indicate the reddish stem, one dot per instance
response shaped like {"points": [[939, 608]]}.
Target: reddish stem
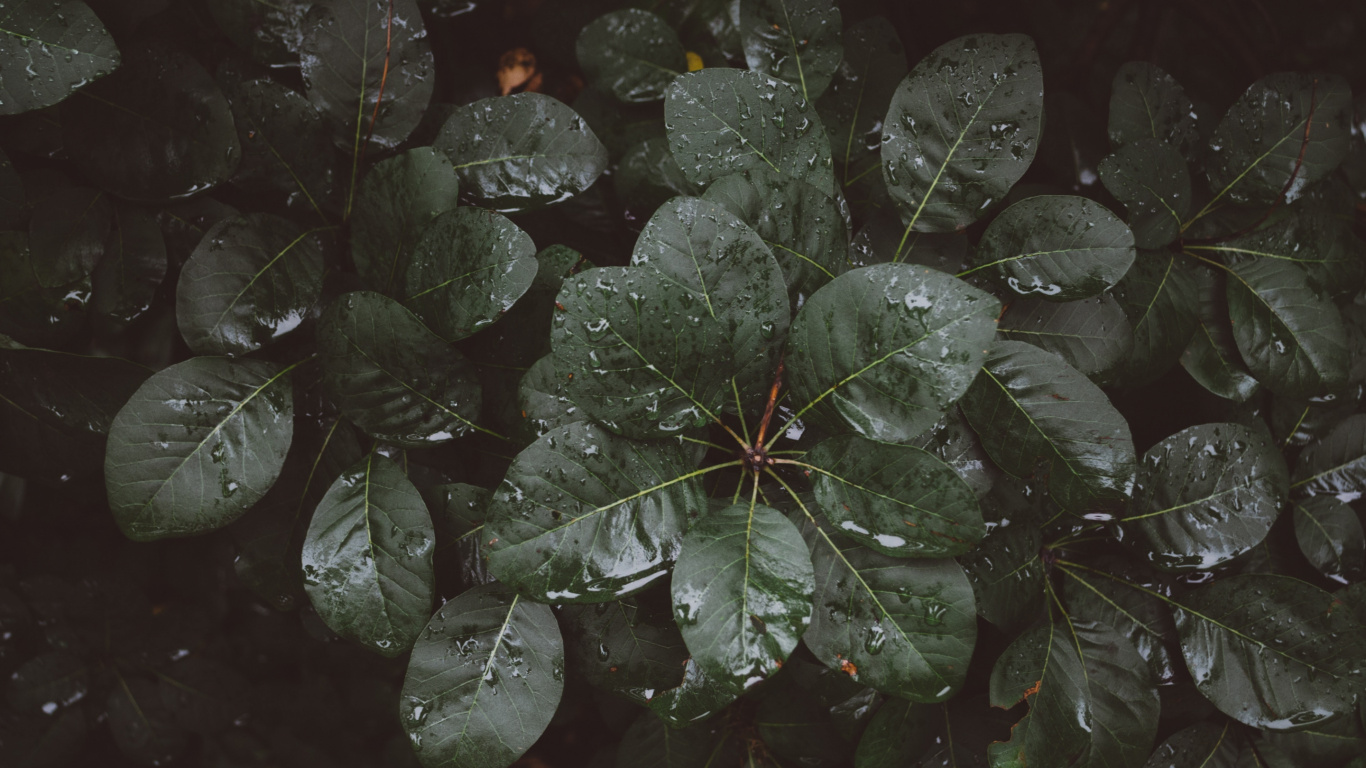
{"points": [[772, 401]]}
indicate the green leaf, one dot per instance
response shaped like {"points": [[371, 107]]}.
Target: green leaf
{"points": [[468, 268], [1207, 494], [586, 516], [899, 734], [484, 680], [1150, 177], [1319, 243], [1005, 569], [367, 559], [142, 725], [158, 128], [398, 200], [962, 129], [631, 54], [1292, 338], [742, 592], [626, 647], [519, 152], [129, 273], [1288, 130], [269, 34], [252, 279], [1140, 616], [542, 400], [860, 91], [198, 444], [722, 121], [1330, 536], [954, 443], [1330, 743], [1159, 295], [1335, 465], [794, 40], [699, 245], [203, 696], [795, 726], [1056, 247], [1271, 651], [666, 362], [1123, 696], [1043, 666], [1092, 335], [903, 627], [30, 313], [1147, 103], [697, 698], [48, 682], [894, 499], [800, 224], [648, 175], [394, 378], [284, 144], [73, 48], [1031, 408], [367, 66], [885, 350], [67, 234], [1212, 357], [649, 741]]}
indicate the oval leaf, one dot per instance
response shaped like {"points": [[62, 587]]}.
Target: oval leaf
{"points": [[1159, 296], [1150, 177], [1212, 357], [794, 40], [1330, 536], [631, 54], [1335, 465], [399, 198], [1092, 335], [1044, 667], [860, 91], [1147, 103], [73, 48], [284, 145]]}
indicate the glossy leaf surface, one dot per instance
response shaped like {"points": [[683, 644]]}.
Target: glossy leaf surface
{"points": [[1092, 335], [1148, 103], [794, 40], [399, 198], [1212, 356], [1150, 177], [73, 49], [861, 89], [1330, 536], [631, 54]]}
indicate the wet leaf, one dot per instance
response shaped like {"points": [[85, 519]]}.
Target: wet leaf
{"points": [[394, 378], [697, 698], [1330, 536], [367, 558], [1138, 615], [1292, 338], [73, 49], [399, 198], [520, 152], [1055, 247], [367, 67], [1123, 696], [900, 733], [894, 499], [1212, 357], [794, 40], [648, 175], [856, 101], [483, 681], [1335, 465], [158, 128], [142, 725], [1150, 177], [742, 592], [586, 516], [198, 444], [130, 271], [884, 329], [30, 313], [723, 121], [1092, 335], [1271, 651], [1159, 295], [962, 129], [1320, 244], [1032, 410], [649, 741], [1147, 103], [1005, 569], [284, 142], [541, 397], [67, 233], [1043, 666], [626, 647], [269, 34], [252, 279], [1207, 494], [47, 683], [631, 54]]}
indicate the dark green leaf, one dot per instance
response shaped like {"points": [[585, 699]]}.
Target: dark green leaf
{"points": [[13, 200], [394, 378], [1032, 409], [1286, 131], [269, 34], [203, 696], [73, 49], [666, 362], [252, 279], [367, 66], [742, 592], [860, 91], [625, 647], [284, 144], [698, 697], [1005, 569], [794, 726], [1330, 536], [586, 516], [1056, 247], [1141, 617], [1212, 357], [158, 128], [1092, 335], [484, 680], [1123, 697], [1207, 494], [895, 499], [723, 121], [903, 627], [457, 509], [542, 400], [30, 313], [1150, 177], [962, 129], [197, 445], [523, 151], [898, 735], [129, 273], [1319, 243], [1159, 295], [883, 238], [699, 245], [1291, 337], [800, 224], [1271, 651], [631, 54], [1329, 743], [954, 442], [1043, 666], [794, 40], [47, 683], [367, 559], [649, 741], [67, 234], [142, 725], [648, 175], [1335, 465], [398, 199], [885, 350], [1146, 103], [468, 268]]}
